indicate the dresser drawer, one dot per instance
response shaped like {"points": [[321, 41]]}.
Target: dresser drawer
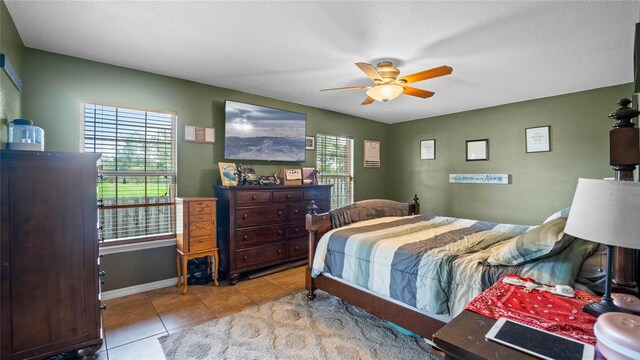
{"points": [[201, 228], [264, 215], [293, 195], [297, 211], [297, 230], [260, 255], [253, 197], [262, 235], [298, 249], [200, 208], [200, 243], [315, 194]]}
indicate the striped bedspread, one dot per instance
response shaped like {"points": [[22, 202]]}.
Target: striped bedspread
{"points": [[433, 264]]}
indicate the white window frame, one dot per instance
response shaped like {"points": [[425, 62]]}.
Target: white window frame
{"points": [[340, 174], [148, 204]]}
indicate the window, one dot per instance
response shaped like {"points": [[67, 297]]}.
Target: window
{"points": [[137, 175], [335, 164]]}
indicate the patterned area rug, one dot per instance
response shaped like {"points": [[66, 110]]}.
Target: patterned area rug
{"points": [[294, 328]]}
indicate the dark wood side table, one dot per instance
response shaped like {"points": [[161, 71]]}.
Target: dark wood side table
{"points": [[463, 338]]}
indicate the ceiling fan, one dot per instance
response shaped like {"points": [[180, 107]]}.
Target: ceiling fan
{"points": [[388, 86]]}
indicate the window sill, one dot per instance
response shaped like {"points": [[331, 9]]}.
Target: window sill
{"points": [[115, 249]]}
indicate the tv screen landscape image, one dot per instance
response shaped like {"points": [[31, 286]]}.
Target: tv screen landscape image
{"points": [[260, 133]]}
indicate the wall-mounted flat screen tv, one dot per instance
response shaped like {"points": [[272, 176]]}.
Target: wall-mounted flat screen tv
{"points": [[260, 133]]}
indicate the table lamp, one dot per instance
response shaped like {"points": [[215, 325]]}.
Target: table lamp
{"points": [[606, 212]]}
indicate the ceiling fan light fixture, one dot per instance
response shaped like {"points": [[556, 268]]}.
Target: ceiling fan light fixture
{"points": [[385, 92]]}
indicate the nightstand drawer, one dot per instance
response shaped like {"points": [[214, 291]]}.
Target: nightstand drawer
{"points": [[201, 228], [263, 235], [293, 195], [260, 255], [201, 217], [200, 207], [253, 197], [200, 243]]}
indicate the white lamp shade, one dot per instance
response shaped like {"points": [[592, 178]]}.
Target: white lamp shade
{"points": [[385, 92], [606, 212]]}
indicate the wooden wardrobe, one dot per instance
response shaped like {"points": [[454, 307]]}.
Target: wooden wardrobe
{"points": [[49, 294]]}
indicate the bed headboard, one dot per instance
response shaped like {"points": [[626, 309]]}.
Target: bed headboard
{"points": [[358, 211]]}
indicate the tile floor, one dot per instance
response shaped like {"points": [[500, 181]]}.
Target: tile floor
{"points": [[133, 323]]}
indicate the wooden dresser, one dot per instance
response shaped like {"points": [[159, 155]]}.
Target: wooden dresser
{"points": [[260, 226], [48, 255], [195, 234]]}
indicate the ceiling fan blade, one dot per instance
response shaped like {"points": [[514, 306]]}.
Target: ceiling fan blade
{"points": [[427, 74], [368, 100], [370, 71], [408, 90], [362, 87]]}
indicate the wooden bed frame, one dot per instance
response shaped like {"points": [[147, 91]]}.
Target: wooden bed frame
{"points": [[414, 321]]}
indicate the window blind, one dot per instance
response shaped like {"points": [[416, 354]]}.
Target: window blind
{"points": [[335, 165], [136, 187]]}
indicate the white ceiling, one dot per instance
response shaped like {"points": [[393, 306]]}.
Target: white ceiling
{"points": [[501, 51]]}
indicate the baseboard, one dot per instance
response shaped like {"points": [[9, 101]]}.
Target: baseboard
{"points": [[112, 294]]}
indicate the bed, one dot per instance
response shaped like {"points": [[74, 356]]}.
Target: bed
{"points": [[420, 271]]}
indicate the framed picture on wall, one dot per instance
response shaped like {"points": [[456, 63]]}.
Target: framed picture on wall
{"points": [[537, 139], [309, 143], [477, 150], [428, 149]]}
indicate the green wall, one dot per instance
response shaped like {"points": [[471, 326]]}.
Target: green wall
{"points": [[57, 85], [541, 183], [10, 98]]}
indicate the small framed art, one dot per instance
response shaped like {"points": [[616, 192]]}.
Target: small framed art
{"points": [[197, 134], [292, 176], [477, 150], [428, 149], [309, 143], [537, 139], [228, 174]]}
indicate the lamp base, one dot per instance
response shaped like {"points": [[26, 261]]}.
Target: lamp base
{"points": [[598, 308]]}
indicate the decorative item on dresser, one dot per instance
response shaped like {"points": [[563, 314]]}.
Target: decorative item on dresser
{"points": [[264, 226], [49, 255], [195, 234]]}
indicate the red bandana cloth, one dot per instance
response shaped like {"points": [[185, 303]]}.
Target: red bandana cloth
{"points": [[540, 309]]}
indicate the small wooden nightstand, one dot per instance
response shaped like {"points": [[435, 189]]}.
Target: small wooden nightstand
{"points": [[196, 235]]}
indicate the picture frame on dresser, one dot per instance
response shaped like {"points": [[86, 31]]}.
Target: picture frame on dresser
{"points": [[228, 174]]}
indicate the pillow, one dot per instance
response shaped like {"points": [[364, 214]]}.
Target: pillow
{"points": [[545, 240], [562, 213]]}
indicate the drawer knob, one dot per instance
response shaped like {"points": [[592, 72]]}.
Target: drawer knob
{"points": [[295, 247], [245, 258], [279, 251], [288, 196], [295, 211], [279, 232], [245, 216], [296, 229], [103, 307], [279, 212], [253, 197], [245, 237]]}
